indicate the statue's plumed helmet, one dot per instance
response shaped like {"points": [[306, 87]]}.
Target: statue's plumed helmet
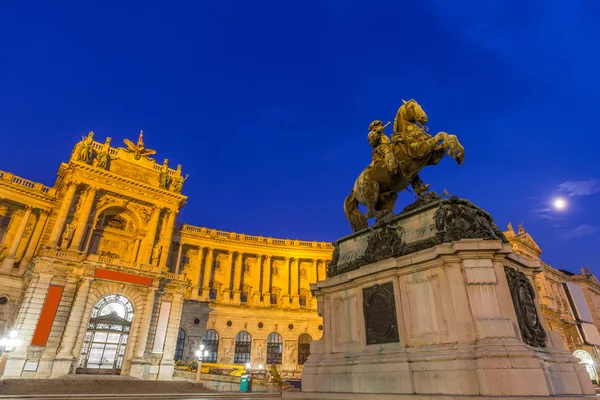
{"points": [[375, 124]]}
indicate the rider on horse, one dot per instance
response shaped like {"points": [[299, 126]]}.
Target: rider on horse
{"points": [[382, 147]]}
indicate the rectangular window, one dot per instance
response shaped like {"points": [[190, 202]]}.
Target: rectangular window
{"points": [[273, 299], [303, 273], [4, 221], [244, 297], [212, 294]]}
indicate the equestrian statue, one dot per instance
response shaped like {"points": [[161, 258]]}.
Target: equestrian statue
{"points": [[396, 164]]}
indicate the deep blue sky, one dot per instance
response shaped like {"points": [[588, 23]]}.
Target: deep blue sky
{"points": [[266, 104]]}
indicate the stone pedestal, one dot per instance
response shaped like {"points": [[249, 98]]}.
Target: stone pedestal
{"points": [[434, 303]]}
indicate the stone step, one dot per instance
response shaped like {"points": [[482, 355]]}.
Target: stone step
{"points": [[97, 385]]}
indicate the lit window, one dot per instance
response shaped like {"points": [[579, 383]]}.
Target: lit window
{"points": [[303, 347], [210, 340], [243, 343], [274, 348]]}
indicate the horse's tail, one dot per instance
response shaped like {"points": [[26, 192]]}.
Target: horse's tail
{"points": [[357, 220]]}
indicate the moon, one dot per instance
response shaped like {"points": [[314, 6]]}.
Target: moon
{"points": [[559, 204]]}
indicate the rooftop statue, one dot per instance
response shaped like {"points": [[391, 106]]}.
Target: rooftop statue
{"points": [[396, 164], [138, 150]]}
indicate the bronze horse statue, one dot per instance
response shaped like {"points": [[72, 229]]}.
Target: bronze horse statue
{"points": [[413, 149]]}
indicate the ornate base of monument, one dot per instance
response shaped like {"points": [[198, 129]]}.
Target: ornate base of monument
{"points": [[434, 302]]}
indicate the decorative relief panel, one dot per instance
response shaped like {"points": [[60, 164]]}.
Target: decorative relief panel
{"points": [[379, 307], [523, 296]]}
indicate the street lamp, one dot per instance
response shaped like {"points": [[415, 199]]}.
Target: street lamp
{"points": [[10, 343], [200, 354]]}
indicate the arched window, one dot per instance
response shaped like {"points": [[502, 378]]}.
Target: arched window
{"points": [[180, 345], [106, 337], [588, 361], [274, 348], [210, 340], [243, 342], [303, 347]]}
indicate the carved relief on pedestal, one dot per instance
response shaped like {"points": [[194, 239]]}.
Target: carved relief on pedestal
{"points": [[523, 295]]}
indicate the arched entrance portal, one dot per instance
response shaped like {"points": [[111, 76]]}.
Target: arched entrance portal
{"points": [[106, 336], [588, 361]]}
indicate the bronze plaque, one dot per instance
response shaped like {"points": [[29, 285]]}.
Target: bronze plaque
{"points": [[379, 308]]}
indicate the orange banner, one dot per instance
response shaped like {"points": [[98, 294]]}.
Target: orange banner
{"points": [[42, 330], [122, 277]]}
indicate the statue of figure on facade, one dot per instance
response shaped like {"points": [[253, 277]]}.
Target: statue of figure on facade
{"points": [[102, 159], [163, 178], [178, 183], [85, 149], [413, 148], [138, 150], [68, 234], [156, 253]]}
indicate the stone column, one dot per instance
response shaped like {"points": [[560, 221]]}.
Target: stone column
{"points": [[208, 266], [177, 265], [266, 281], [61, 217], [65, 357], [138, 362], [84, 215], [294, 282], [237, 277], [11, 256], [227, 276], [150, 236], [167, 234]]}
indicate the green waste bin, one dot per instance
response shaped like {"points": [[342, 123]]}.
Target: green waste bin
{"points": [[245, 383]]}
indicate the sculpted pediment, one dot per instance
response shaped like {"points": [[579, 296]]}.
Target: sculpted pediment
{"points": [[527, 240]]}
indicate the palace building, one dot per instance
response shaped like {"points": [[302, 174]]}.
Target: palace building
{"points": [[97, 277]]}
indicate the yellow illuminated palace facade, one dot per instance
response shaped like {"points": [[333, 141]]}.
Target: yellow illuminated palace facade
{"points": [[98, 277]]}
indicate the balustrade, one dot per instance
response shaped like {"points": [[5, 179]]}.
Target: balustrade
{"points": [[30, 185]]}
